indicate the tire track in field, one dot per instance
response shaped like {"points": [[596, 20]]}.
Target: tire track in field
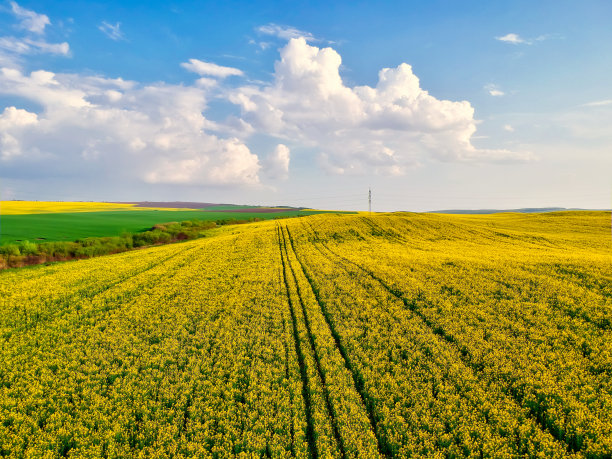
{"points": [[377, 230], [358, 381], [291, 426], [310, 435], [311, 339], [572, 443], [287, 375]]}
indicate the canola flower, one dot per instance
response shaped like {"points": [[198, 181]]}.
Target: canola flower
{"points": [[328, 336], [45, 207]]}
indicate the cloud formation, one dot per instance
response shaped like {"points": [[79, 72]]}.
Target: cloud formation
{"points": [[30, 20], [284, 32], [386, 129], [33, 42], [513, 38], [13, 122], [276, 164], [93, 126], [111, 31], [516, 39], [494, 91], [598, 103], [210, 69]]}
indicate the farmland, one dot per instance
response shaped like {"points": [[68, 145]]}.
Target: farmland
{"points": [[391, 335], [57, 221]]}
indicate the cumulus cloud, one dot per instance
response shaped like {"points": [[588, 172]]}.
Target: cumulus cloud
{"points": [[14, 123], [276, 164], [92, 126], [385, 129], [210, 69], [111, 31], [30, 20], [112, 127], [508, 128]]}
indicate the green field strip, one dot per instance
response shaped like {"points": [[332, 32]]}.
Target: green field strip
{"points": [[78, 225]]}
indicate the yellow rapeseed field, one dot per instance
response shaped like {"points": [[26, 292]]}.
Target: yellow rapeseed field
{"points": [[391, 335], [44, 207]]}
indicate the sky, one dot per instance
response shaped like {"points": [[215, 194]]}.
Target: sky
{"points": [[430, 104]]}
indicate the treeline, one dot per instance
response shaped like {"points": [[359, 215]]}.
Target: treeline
{"points": [[26, 253]]}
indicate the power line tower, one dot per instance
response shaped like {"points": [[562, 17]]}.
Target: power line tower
{"points": [[370, 200]]}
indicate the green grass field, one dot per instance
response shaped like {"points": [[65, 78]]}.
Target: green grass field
{"points": [[78, 225]]}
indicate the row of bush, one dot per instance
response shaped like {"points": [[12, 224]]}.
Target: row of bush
{"points": [[30, 253]]}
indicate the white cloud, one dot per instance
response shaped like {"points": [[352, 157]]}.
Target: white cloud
{"points": [[284, 32], [29, 46], [98, 127], [513, 38], [494, 91], [14, 123], [91, 126], [15, 45], [233, 164], [598, 103], [508, 128], [516, 39], [30, 20], [209, 69], [383, 129], [111, 31], [276, 164], [13, 48]]}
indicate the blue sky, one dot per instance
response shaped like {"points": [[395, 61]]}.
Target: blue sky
{"points": [[432, 104]]}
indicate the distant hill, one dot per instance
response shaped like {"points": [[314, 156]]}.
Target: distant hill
{"points": [[173, 204], [526, 210], [211, 206]]}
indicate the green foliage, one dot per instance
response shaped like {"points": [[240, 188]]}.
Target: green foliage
{"points": [[28, 248], [10, 250]]}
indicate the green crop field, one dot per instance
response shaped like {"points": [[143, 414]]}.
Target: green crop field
{"points": [[329, 336], [60, 226]]}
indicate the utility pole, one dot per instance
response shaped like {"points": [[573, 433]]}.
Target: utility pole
{"points": [[370, 200]]}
